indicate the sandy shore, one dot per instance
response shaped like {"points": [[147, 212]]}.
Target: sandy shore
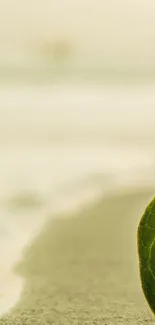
{"points": [[84, 270], [20, 225]]}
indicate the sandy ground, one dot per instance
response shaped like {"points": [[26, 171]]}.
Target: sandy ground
{"points": [[19, 228], [84, 270]]}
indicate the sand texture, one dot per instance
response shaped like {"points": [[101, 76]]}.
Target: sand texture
{"points": [[84, 270]]}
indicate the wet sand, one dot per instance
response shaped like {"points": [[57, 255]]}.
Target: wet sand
{"points": [[84, 270]]}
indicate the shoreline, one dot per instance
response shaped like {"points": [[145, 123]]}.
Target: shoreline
{"points": [[15, 247], [26, 265]]}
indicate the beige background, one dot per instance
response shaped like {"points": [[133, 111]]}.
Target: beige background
{"points": [[98, 28]]}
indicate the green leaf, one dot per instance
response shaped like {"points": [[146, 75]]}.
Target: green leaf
{"points": [[146, 252]]}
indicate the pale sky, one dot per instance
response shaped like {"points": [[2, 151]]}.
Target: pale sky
{"points": [[101, 27]]}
